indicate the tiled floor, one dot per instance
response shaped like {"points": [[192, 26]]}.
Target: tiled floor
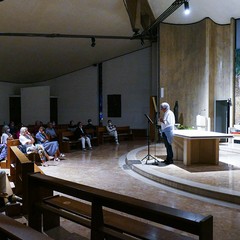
{"points": [[105, 167]]}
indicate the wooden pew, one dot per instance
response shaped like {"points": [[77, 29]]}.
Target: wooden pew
{"points": [[109, 214], [66, 145], [124, 132], [12, 229], [20, 167]]}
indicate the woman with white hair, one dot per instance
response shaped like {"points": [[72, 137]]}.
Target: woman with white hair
{"points": [[28, 141], [167, 127]]}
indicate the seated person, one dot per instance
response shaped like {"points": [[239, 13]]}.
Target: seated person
{"points": [[6, 193], [18, 130], [72, 126], [5, 188], [38, 124], [27, 140], [52, 148], [91, 127], [112, 131], [13, 128], [82, 136], [50, 131], [6, 135]]}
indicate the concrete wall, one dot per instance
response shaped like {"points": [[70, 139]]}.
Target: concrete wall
{"points": [[196, 67], [77, 92]]}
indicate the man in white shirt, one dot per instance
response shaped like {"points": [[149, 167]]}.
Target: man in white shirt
{"points": [[167, 126]]}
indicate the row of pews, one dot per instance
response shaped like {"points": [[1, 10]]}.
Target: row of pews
{"points": [[108, 215]]}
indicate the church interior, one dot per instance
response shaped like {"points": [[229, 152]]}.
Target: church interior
{"points": [[64, 61]]}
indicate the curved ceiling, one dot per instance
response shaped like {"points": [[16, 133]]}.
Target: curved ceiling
{"points": [[27, 59]]}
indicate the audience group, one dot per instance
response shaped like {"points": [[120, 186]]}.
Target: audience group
{"points": [[43, 141]]}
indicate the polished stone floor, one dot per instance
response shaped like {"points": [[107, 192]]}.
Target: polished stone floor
{"points": [[115, 168]]}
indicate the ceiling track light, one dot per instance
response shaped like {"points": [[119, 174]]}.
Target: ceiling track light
{"points": [[152, 28], [186, 7], [93, 42]]}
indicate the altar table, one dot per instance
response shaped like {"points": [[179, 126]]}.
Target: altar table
{"points": [[197, 147]]}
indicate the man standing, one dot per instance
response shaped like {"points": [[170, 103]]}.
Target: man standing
{"points": [[167, 127]]}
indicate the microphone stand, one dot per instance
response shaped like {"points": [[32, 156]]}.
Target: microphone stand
{"points": [[149, 156]]}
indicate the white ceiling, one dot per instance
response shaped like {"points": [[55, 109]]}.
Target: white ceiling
{"points": [[31, 59]]}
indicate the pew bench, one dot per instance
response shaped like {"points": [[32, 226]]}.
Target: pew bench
{"points": [[19, 168], [67, 141], [80, 212], [124, 133], [110, 215], [12, 229]]}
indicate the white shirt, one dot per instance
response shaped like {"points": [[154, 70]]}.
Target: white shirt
{"points": [[24, 141], [169, 120], [4, 138]]}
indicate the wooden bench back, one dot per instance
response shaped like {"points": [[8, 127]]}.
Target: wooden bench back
{"points": [[20, 167], [12, 229], [193, 223], [13, 142]]}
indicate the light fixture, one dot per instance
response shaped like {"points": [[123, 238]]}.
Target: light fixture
{"points": [[93, 42], [151, 30], [186, 7]]}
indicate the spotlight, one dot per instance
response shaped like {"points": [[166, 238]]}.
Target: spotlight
{"points": [[93, 42], [186, 7]]}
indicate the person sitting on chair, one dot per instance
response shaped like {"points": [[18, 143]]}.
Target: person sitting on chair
{"points": [[6, 193], [5, 188], [27, 140], [112, 131], [71, 126], [90, 129], [50, 131], [52, 148], [81, 135], [6, 135]]}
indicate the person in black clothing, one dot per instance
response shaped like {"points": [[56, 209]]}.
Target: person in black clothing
{"points": [[72, 126], [90, 129], [81, 135]]}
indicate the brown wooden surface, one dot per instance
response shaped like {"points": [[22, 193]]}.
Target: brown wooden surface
{"points": [[114, 220], [10, 155], [12, 229], [196, 151], [186, 221], [21, 166]]}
